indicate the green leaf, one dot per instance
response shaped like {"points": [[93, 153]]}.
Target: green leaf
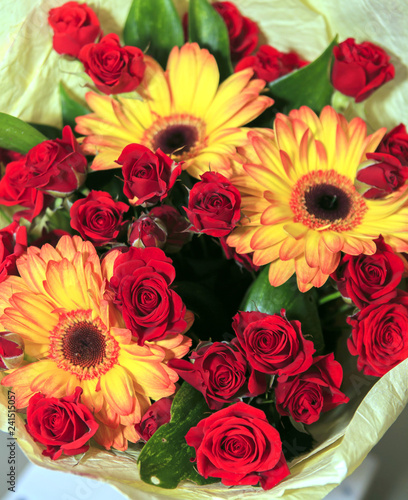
{"points": [[18, 135], [165, 459], [49, 131], [308, 86], [154, 25], [265, 298], [70, 108], [207, 28]]}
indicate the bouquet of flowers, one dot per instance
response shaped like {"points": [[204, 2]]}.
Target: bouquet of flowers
{"points": [[203, 247]]}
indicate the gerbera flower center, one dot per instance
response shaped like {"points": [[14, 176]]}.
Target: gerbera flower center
{"points": [[82, 345], [327, 200], [181, 136]]}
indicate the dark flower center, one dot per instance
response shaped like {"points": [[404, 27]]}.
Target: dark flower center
{"points": [[84, 344], [327, 202], [176, 139]]}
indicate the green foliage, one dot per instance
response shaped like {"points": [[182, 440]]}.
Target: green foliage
{"points": [[70, 108], [18, 135]]}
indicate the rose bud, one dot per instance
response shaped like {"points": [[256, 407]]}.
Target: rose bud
{"points": [[243, 260], [384, 173], [379, 335], [113, 69], [239, 446], [272, 344], [176, 227], [98, 218], [11, 351], [269, 64], [64, 425], [13, 191], [213, 205], [396, 143], [56, 167], [370, 278], [13, 243], [219, 373], [148, 176], [156, 416], [74, 25], [147, 231], [360, 69], [305, 396]]}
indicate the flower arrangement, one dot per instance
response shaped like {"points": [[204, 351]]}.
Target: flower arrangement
{"points": [[202, 269]]}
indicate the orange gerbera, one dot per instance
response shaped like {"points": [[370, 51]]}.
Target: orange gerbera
{"points": [[63, 310], [183, 112], [300, 206]]}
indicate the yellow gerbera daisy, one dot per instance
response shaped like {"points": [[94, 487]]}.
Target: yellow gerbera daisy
{"points": [[300, 206], [183, 112], [61, 307]]}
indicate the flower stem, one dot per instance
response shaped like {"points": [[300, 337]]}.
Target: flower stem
{"points": [[329, 298]]}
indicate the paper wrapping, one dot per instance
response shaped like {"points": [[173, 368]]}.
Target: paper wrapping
{"points": [[30, 70], [345, 436]]}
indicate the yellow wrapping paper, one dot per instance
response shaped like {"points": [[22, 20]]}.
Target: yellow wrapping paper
{"points": [[30, 72]]}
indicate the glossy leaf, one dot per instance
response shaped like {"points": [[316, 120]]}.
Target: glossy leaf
{"points": [[18, 135]]}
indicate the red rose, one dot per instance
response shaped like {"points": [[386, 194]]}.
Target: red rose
{"points": [[148, 176], [214, 205], [64, 425], [113, 69], [272, 344], [13, 191], [368, 278], [98, 217], [219, 373], [382, 176], [74, 25], [238, 445], [7, 156], [269, 64], [11, 351], [13, 243], [305, 396], [360, 68], [176, 227], [56, 167], [242, 31], [156, 416], [242, 259], [147, 231], [396, 143], [150, 309], [380, 335]]}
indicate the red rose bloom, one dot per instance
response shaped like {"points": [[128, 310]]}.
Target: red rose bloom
{"points": [[380, 335], [56, 167], [113, 69], [385, 175], [7, 156], [269, 64], [242, 31], [74, 25], [13, 191], [242, 259], [238, 445], [11, 351], [150, 309], [219, 373], [370, 278], [272, 344], [360, 68], [13, 243], [176, 227], [214, 205], [156, 416], [147, 231], [98, 217], [396, 143], [305, 396], [64, 425], [148, 176]]}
